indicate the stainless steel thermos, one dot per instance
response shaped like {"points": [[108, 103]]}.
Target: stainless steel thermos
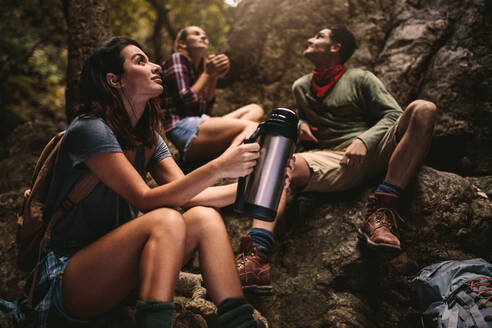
{"points": [[259, 193]]}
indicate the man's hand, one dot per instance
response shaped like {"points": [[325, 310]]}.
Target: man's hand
{"points": [[355, 154], [306, 132]]}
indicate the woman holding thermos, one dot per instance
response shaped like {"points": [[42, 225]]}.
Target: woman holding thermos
{"points": [[101, 249]]}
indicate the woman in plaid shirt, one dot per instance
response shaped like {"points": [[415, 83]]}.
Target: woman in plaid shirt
{"points": [[190, 80]]}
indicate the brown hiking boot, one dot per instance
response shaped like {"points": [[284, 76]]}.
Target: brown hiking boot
{"points": [[380, 226], [253, 268]]}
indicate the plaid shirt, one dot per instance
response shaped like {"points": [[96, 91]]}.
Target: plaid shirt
{"points": [[179, 100], [50, 269]]}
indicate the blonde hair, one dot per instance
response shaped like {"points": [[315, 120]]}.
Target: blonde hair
{"points": [[180, 36]]}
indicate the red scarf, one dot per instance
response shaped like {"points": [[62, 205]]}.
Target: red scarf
{"points": [[325, 79]]}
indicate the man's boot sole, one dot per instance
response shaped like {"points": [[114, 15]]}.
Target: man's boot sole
{"points": [[379, 247], [258, 290]]}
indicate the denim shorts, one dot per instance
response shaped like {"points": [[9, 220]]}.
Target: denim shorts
{"points": [[58, 298], [185, 131]]}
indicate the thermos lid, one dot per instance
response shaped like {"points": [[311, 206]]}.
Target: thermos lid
{"points": [[285, 110], [282, 121]]}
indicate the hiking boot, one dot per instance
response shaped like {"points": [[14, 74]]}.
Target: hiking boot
{"points": [[253, 268], [380, 225]]}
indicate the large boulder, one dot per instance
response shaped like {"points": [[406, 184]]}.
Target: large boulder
{"points": [[324, 277], [436, 50]]}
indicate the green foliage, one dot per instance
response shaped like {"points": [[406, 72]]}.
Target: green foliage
{"points": [[131, 18], [33, 43], [136, 19], [32, 62], [214, 16]]}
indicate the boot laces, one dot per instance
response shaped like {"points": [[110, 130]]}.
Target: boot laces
{"points": [[475, 287], [388, 217], [246, 252], [372, 205]]}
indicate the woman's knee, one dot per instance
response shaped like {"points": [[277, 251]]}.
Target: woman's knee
{"points": [[257, 111], [166, 222], [249, 126], [204, 219]]}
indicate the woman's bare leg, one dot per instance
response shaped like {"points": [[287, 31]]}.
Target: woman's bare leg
{"points": [[206, 232], [216, 134], [147, 251], [251, 112]]}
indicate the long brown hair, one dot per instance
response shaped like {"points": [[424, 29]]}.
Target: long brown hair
{"points": [[100, 99]]}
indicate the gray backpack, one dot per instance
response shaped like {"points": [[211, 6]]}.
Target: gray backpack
{"points": [[455, 294]]}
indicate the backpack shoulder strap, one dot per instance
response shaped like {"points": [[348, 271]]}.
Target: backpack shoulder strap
{"points": [[453, 316], [78, 193], [48, 152], [478, 318]]}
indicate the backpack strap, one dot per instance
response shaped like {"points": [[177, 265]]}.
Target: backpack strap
{"points": [[78, 193], [53, 144], [473, 310], [452, 317]]}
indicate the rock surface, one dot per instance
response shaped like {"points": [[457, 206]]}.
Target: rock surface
{"points": [[323, 277]]}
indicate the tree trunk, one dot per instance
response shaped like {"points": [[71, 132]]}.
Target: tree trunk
{"points": [[162, 20], [88, 27]]}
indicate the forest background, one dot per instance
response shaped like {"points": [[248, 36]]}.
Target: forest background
{"points": [[43, 44], [419, 48]]}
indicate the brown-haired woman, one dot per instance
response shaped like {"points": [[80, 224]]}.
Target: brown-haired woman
{"points": [[101, 250], [190, 79]]}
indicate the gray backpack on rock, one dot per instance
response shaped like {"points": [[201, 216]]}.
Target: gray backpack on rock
{"points": [[455, 294]]}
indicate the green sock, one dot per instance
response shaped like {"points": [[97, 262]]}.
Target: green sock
{"points": [[151, 314], [235, 313]]}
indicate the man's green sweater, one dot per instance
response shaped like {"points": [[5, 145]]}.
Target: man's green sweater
{"points": [[358, 106]]}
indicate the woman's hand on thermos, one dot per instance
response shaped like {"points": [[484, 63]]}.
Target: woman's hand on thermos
{"points": [[238, 160]]}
